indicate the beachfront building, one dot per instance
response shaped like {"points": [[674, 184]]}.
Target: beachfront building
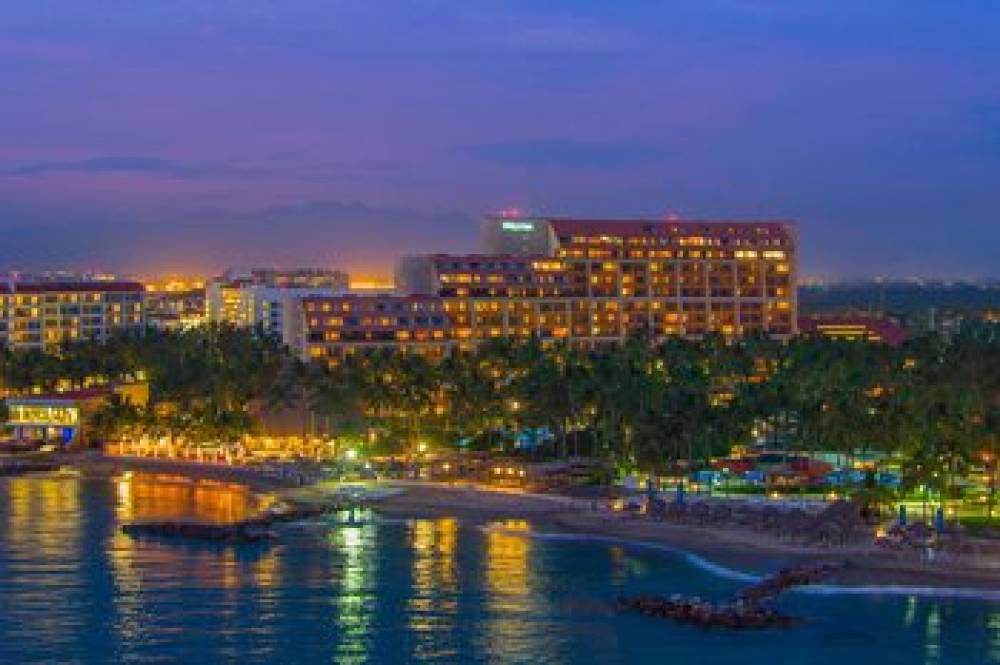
{"points": [[586, 281], [854, 327], [270, 299], [42, 313], [62, 418]]}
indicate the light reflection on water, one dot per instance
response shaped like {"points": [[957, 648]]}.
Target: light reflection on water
{"points": [[994, 628], [353, 592], [433, 605], [74, 588], [152, 496]]}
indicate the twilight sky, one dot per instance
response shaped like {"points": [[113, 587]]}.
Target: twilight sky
{"points": [[194, 134]]}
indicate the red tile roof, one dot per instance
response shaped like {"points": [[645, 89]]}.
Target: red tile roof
{"points": [[74, 287], [640, 227], [69, 395], [483, 257], [373, 297]]}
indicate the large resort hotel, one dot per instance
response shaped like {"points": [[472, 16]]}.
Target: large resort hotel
{"points": [[585, 281], [45, 313]]}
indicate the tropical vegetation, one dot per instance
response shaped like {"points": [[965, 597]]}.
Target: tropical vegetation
{"points": [[931, 404]]}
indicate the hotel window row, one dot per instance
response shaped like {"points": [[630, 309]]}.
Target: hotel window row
{"points": [[586, 281], [43, 315]]}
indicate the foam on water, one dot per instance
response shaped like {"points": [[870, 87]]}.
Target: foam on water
{"points": [[698, 561]]}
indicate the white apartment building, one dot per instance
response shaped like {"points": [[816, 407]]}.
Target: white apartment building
{"points": [[270, 299]]}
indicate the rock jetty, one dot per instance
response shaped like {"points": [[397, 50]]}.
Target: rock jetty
{"points": [[17, 467], [749, 609], [255, 529], [240, 532]]}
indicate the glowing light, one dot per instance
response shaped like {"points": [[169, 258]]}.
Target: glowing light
{"points": [[511, 213], [518, 227]]}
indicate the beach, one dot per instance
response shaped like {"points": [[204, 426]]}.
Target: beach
{"points": [[736, 549]]}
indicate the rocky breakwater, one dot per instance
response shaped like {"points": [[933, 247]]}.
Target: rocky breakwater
{"points": [[255, 529], [749, 609], [17, 466]]}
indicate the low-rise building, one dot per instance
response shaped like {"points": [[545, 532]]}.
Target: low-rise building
{"points": [[855, 327], [62, 417]]}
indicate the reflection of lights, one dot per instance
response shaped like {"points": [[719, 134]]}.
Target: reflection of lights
{"points": [[124, 490], [511, 603], [994, 625], [351, 599], [507, 551], [433, 543], [932, 644], [352, 539], [161, 496]]}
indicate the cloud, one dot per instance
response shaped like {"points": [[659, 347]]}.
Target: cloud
{"points": [[359, 237], [279, 165], [135, 165], [570, 153]]}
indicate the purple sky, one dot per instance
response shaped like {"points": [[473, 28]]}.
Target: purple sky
{"points": [[193, 134]]}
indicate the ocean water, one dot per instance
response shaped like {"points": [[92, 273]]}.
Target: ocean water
{"points": [[74, 589]]}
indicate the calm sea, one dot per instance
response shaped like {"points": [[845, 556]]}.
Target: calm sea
{"points": [[74, 589]]}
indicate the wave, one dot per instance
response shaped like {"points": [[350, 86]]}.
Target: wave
{"points": [[702, 563], [964, 593]]}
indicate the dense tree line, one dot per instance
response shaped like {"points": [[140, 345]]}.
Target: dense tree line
{"points": [[933, 402], [202, 381], [649, 406]]}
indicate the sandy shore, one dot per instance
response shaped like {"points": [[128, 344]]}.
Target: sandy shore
{"points": [[737, 549], [731, 548]]}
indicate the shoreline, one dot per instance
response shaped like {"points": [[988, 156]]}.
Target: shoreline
{"points": [[103, 465], [741, 553], [725, 551]]}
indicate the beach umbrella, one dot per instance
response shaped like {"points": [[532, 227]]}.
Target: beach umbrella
{"points": [[939, 520], [902, 514]]}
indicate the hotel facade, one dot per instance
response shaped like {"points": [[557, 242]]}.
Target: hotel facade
{"points": [[43, 314], [270, 299], [589, 282]]}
